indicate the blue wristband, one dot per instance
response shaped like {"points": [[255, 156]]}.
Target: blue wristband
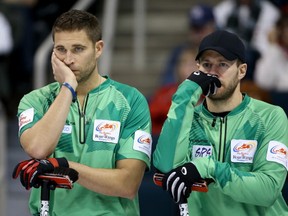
{"points": [[74, 95]]}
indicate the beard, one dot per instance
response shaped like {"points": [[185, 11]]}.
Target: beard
{"points": [[86, 73], [226, 92]]}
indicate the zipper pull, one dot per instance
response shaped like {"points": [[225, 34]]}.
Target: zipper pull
{"points": [[82, 127], [213, 122]]}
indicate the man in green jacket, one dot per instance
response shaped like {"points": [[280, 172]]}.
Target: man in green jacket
{"points": [[91, 123], [236, 142]]}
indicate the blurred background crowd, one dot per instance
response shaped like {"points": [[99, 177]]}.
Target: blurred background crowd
{"points": [[150, 45]]}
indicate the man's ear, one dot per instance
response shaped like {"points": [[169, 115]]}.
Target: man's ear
{"points": [[99, 47], [242, 69]]}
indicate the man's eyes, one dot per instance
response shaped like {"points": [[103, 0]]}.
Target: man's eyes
{"points": [[206, 65], [78, 49], [222, 64], [62, 50]]}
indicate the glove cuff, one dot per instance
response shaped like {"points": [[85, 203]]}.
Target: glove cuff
{"points": [[59, 162], [62, 162]]}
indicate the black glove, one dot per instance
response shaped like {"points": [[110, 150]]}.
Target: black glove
{"points": [[209, 83], [29, 170], [178, 182]]}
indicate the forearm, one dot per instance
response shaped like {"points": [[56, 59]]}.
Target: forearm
{"points": [[173, 142], [41, 140], [252, 183], [244, 186], [123, 181]]}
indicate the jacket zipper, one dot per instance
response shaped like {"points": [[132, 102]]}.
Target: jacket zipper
{"points": [[222, 141], [82, 121]]}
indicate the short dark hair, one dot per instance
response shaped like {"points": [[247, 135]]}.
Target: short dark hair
{"points": [[76, 20]]}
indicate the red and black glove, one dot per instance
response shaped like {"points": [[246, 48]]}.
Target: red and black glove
{"points": [[178, 182], [29, 170], [208, 83]]}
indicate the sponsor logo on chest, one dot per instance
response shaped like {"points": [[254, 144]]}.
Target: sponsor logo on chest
{"points": [[242, 151], [106, 131]]}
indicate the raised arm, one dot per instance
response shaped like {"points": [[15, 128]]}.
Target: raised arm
{"points": [[40, 140]]}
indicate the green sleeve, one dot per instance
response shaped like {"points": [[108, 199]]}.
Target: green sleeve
{"points": [[172, 149], [138, 120]]}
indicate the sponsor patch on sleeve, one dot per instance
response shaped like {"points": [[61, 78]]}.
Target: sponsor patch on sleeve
{"points": [[242, 151], [143, 142], [25, 117], [277, 152]]}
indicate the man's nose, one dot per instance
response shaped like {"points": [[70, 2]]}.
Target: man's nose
{"points": [[69, 58], [214, 70]]}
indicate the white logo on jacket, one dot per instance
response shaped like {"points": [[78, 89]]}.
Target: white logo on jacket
{"points": [[143, 142], [106, 131], [242, 151], [201, 151], [26, 117], [278, 152]]}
